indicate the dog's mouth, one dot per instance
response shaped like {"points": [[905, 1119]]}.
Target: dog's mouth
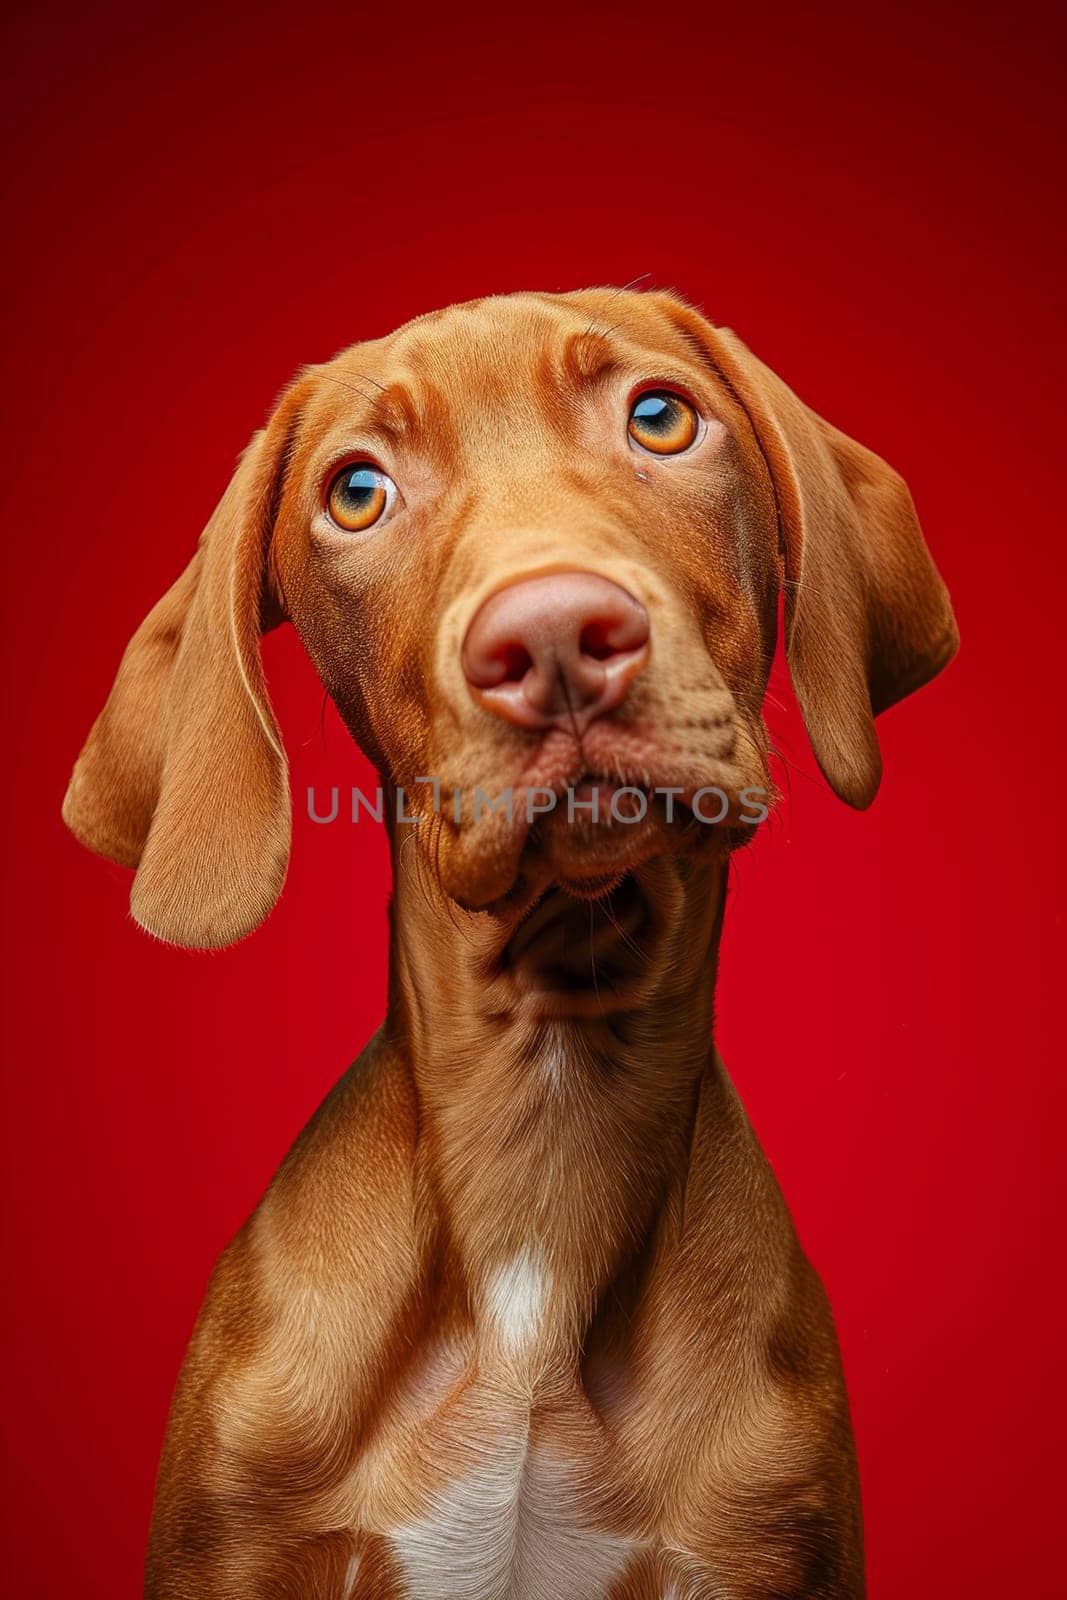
{"points": [[583, 815], [583, 945], [588, 854]]}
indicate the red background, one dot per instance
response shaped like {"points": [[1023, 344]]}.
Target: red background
{"points": [[197, 206]]}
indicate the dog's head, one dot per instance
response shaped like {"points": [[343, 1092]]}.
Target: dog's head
{"points": [[534, 546]]}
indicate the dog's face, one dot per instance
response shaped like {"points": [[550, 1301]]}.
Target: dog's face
{"points": [[451, 491], [534, 546]]}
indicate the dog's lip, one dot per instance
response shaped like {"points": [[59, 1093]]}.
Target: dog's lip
{"points": [[587, 860], [500, 866], [591, 885]]}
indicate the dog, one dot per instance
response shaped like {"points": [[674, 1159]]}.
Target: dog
{"points": [[523, 1313]]}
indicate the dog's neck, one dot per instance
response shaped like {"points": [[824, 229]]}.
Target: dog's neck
{"points": [[552, 1145]]}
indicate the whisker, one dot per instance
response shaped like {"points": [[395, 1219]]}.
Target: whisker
{"points": [[792, 766], [592, 960], [628, 940], [368, 379], [332, 377], [614, 295]]}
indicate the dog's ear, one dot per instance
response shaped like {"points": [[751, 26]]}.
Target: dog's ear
{"points": [[868, 619], [183, 775]]}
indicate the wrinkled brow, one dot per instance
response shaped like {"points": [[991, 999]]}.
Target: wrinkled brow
{"points": [[567, 370], [586, 357], [397, 412], [414, 416]]}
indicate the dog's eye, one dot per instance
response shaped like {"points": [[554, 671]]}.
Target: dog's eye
{"points": [[662, 422], [359, 495]]}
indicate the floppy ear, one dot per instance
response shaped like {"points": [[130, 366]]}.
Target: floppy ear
{"points": [[867, 617], [183, 775]]}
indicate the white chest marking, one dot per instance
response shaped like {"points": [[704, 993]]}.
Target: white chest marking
{"points": [[554, 1060], [508, 1530], [349, 1585], [515, 1299]]}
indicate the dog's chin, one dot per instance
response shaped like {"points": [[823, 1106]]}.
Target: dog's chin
{"points": [[578, 903], [579, 853]]}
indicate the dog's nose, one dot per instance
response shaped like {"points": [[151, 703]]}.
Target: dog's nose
{"points": [[556, 651]]}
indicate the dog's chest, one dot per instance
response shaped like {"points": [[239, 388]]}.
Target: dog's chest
{"points": [[513, 1524], [486, 1484]]}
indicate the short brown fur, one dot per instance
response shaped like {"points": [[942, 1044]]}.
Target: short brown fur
{"points": [[672, 1421]]}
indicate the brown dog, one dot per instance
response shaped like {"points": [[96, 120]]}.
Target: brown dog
{"points": [[523, 1313]]}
